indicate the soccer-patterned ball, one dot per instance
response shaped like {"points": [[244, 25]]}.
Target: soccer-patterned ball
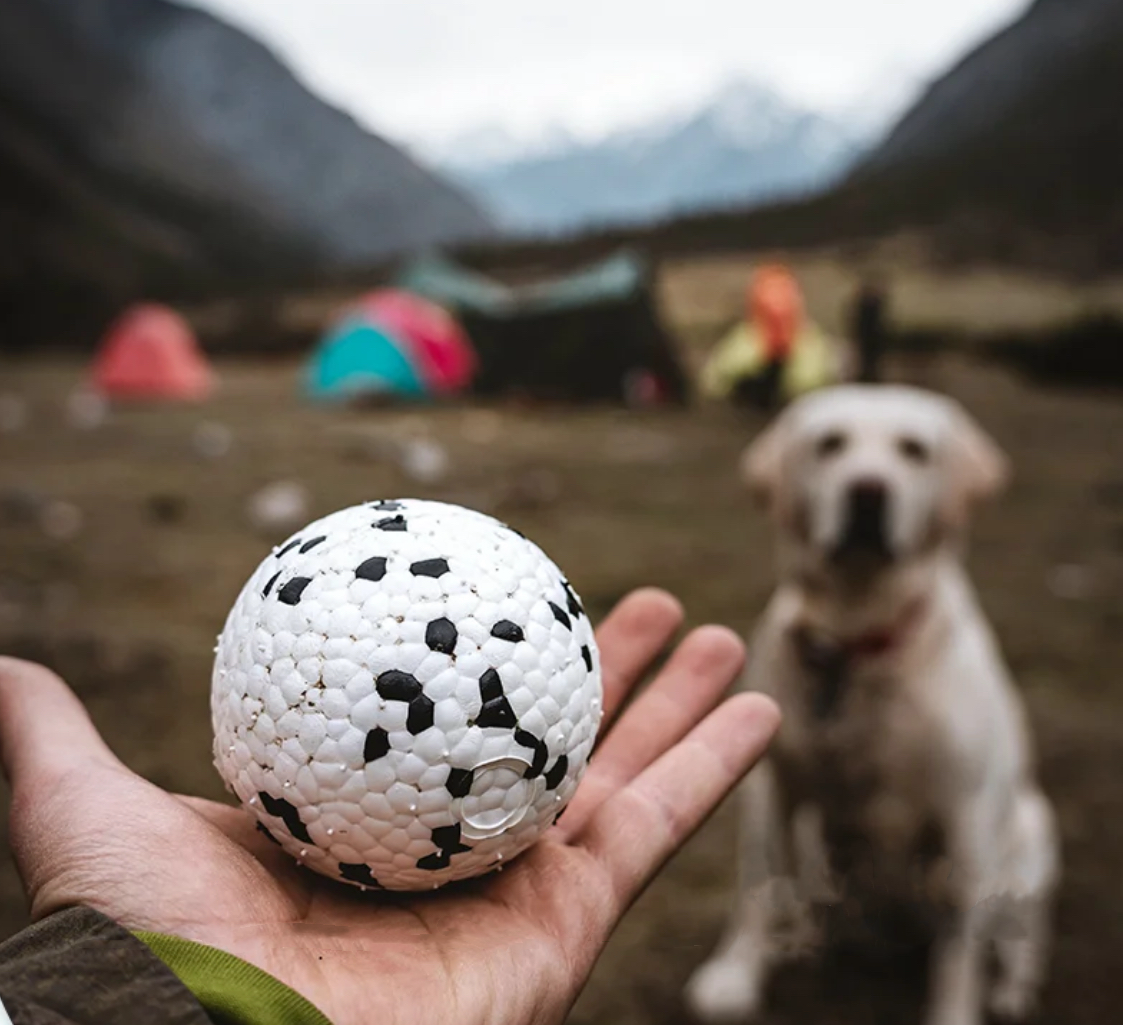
{"points": [[405, 693]]}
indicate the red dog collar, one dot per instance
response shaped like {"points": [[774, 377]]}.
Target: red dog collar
{"points": [[829, 659]]}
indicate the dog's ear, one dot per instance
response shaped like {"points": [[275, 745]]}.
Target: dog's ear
{"points": [[976, 467], [762, 462]]}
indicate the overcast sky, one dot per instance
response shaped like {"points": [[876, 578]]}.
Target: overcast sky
{"points": [[425, 71]]}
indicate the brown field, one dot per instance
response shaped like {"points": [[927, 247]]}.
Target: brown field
{"points": [[128, 608]]}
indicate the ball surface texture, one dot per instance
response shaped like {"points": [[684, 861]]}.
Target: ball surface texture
{"points": [[405, 693]]}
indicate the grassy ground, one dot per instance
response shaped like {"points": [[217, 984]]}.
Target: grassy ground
{"points": [[129, 607]]}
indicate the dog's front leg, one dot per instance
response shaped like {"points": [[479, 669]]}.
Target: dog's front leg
{"points": [[956, 983], [730, 985]]}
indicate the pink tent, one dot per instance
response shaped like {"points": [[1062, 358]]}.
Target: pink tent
{"points": [[150, 352]]}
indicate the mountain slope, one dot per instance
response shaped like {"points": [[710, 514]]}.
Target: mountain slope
{"points": [[747, 145], [1027, 127], [141, 141]]}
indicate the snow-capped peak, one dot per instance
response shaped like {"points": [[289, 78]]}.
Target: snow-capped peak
{"points": [[494, 145], [748, 114], [745, 143]]}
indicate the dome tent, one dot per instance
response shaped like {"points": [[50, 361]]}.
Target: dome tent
{"points": [[391, 343], [150, 352], [435, 343]]}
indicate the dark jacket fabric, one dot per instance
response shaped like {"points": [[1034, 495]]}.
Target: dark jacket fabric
{"points": [[78, 967]]}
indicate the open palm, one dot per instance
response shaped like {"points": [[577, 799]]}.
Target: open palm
{"points": [[514, 947]]}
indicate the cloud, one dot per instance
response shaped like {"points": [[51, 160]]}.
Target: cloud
{"points": [[427, 69]]}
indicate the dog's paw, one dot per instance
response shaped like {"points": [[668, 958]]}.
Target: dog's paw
{"points": [[1012, 1001], [949, 1015], [723, 991], [799, 935]]}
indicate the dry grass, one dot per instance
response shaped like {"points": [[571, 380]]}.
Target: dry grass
{"points": [[129, 608]]}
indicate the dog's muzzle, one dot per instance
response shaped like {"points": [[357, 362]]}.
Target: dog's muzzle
{"points": [[865, 531]]}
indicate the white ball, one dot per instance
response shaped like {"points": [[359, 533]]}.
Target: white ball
{"points": [[404, 694]]}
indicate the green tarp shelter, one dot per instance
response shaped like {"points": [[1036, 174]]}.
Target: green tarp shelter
{"points": [[593, 335]]}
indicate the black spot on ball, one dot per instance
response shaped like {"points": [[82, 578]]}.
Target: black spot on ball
{"points": [[387, 506], [572, 602], [430, 568], [447, 841], [420, 716], [497, 713], [555, 776], [291, 592], [309, 545], [560, 615], [505, 630], [373, 569], [587, 655], [491, 686], [459, 782], [397, 523], [525, 739], [288, 548], [287, 813], [264, 830], [448, 838], [377, 744], [496, 710], [395, 685], [359, 874], [441, 636], [269, 585]]}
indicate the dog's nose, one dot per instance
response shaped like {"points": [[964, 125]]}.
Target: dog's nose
{"points": [[868, 499], [866, 519]]}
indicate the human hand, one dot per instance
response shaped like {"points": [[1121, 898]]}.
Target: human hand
{"points": [[514, 947]]}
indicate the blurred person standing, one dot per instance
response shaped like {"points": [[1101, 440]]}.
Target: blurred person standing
{"points": [[776, 352], [867, 328], [776, 307]]}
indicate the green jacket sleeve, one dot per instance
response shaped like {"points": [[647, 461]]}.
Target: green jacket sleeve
{"points": [[232, 991]]}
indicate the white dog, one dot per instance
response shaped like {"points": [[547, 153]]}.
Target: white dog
{"points": [[903, 767]]}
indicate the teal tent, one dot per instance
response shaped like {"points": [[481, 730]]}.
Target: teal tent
{"points": [[357, 358]]}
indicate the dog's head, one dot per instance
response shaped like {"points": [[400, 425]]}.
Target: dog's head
{"points": [[863, 477]]}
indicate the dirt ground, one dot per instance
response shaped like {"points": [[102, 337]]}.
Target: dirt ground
{"points": [[128, 607]]}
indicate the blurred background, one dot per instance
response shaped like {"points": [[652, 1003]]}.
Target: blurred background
{"points": [[262, 259]]}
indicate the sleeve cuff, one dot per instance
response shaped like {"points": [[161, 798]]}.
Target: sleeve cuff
{"points": [[232, 991]]}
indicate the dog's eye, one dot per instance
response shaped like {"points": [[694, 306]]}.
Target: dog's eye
{"points": [[830, 444], [914, 450]]}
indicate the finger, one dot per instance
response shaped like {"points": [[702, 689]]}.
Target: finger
{"points": [[690, 685], [44, 729], [634, 832], [631, 638]]}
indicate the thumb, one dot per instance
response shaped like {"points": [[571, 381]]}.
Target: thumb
{"points": [[44, 729]]}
